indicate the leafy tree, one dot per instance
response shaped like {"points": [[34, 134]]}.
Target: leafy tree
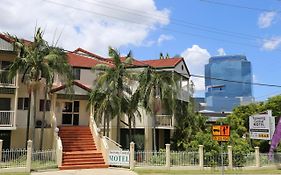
{"points": [[112, 82], [36, 61], [157, 88]]}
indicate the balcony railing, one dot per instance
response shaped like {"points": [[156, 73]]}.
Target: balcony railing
{"points": [[164, 121], [4, 81], [6, 118]]}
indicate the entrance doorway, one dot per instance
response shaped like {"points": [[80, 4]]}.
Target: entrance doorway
{"points": [[6, 137], [70, 113]]}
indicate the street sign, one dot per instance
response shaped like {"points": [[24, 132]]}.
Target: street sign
{"points": [[261, 126], [221, 132]]}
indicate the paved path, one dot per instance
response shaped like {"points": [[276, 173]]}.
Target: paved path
{"points": [[99, 171]]}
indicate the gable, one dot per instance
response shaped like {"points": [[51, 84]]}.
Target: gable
{"points": [[5, 45]]}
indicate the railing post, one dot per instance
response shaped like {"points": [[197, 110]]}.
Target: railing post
{"points": [[1, 146], [28, 156], [229, 150], [201, 157], [257, 155], [168, 156], [132, 155]]}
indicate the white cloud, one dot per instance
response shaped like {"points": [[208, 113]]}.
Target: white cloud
{"points": [[221, 52], [163, 38], [196, 58], [86, 23], [266, 18], [272, 43]]}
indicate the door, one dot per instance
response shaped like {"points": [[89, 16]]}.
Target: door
{"points": [[6, 137], [5, 114], [70, 113]]}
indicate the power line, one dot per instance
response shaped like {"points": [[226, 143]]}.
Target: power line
{"points": [[238, 6], [165, 29], [234, 81], [175, 21]]}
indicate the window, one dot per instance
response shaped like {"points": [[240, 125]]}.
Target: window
{"points": [[5, 65], [76, 73], [48, 105], [23, 103]]}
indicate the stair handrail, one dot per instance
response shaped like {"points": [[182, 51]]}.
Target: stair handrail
{"points": [[100, 141], [112, 145]]}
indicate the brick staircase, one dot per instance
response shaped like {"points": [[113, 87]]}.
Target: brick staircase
{"points": [[79, 149]]}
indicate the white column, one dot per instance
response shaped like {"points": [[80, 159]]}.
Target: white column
{"points": [[16, 100], [1, 146], [201, 157], [229, 150], [257, 155], [28, 157], [168, 156], [132, 155]]}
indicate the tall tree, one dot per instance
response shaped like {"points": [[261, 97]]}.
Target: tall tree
{"points": [[158, 88], [111, 80], [34, 62]]}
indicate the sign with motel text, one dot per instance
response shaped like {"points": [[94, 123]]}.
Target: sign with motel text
{"points": [[119, 158]]}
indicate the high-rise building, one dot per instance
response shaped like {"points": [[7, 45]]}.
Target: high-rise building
{"points": [[223, 77]]}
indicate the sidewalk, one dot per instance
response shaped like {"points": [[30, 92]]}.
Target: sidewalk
{"points": [[98, 171]]}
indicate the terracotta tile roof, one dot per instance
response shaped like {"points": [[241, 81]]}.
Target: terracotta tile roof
{"points": [[76, 60], [10, 40], [135, 63], [170, 62], [75, 82], [89, 53]]}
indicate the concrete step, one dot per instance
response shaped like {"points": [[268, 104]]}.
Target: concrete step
{"points": [[73, 167]]}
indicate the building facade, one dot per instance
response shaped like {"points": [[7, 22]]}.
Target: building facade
{"points": [[227, 82], [65, 111]]}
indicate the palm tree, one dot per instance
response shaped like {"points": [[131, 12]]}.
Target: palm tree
{"points": [[36, 61], [157, 88], [112, 81]]}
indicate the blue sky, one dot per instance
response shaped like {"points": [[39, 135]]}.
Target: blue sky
{"points": [[195, 29]]}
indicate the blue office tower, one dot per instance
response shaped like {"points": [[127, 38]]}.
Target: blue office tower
{"points": [[223, 96]]}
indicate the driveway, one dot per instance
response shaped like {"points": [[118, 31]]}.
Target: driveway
{"points": [[99, 171]]}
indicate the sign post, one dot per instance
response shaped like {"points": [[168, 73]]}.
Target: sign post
{"points": [[221, 133]]}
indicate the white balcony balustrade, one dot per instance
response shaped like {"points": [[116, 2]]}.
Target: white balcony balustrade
{"points": [[164, 121], [7, 118], [4, 81]]}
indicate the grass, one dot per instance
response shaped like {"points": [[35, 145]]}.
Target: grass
{"points": [[14, 173], [182, 172]]}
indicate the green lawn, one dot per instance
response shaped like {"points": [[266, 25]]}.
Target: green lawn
{"points": [[14, 173], [164, 172]]}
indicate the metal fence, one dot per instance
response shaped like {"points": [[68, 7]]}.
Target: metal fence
{"points": [[144, 158], [183, 158], [43, 159], [213, 160], [13, 158]]}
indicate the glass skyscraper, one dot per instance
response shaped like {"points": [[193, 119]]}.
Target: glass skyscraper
{"points": [[223, 96]]}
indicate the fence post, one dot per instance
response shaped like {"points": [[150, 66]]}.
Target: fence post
{"points": [[257, 155], [168, 156], [1, 144], [28, 156], [132, 155], [229, 150], [201, 157]]}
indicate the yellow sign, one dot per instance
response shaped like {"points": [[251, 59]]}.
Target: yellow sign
{"points": [[221, 138], [221, 132]]}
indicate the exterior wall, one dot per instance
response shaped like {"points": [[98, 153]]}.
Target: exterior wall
{"points": [[4, 45]]}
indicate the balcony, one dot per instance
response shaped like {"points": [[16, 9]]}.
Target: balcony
{"points": [[7, 120], [164, 121], [183, 95], [4, 82]]}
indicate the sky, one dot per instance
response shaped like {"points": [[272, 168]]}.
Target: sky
{"points": [[193, 29]]}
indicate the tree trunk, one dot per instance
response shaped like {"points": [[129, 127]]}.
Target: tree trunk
{"points": [[130, 129], [34, 116], [28, 119], [118, 129], [107, 126], [43, 118], [154, 132], [104, 123]]}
